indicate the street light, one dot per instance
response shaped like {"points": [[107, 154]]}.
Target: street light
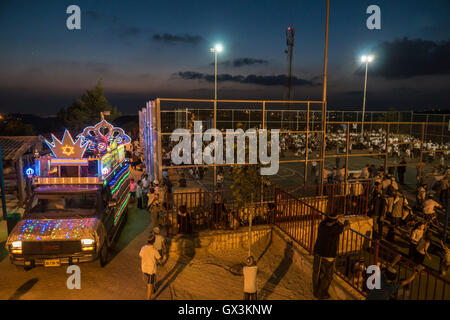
{"points": [[365, 59], [217, 49]]}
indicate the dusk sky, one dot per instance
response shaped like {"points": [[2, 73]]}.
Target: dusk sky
{"points": [[148, 49]]}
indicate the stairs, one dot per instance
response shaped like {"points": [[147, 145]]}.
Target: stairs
{"points": [[13, 203]]}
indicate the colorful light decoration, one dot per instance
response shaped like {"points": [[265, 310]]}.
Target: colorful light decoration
{"points": [[106, 133], [29, 172], [102, 147], [122, 208], [51, 229], [117, 188], [67, 148], [66, 162]]}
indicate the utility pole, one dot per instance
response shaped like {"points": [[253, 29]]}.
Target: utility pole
{"points": [[2, 184], [290, 33]]}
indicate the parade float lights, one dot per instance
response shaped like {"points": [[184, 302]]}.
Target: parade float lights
{"points": [[95, 156]]}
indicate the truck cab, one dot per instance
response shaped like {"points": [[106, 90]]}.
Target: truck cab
{"points": [[78, 204]]}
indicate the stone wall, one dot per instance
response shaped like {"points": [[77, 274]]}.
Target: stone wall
{"points": [[218, 240]]}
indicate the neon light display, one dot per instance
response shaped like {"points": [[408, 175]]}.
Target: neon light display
{"points": [[116, 189], [113, 182], [38, 229], [69, 161], [122, 207], [67, 148], [105, 137]]}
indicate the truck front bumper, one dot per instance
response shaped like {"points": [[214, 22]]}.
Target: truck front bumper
{"points": [[32, 261]]}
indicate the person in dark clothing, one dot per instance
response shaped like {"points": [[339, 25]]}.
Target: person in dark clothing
{"points": [[184, 220], [443, 195], [389, 286], [325, 251], [401, 169], [391, 170], [372, 171]]}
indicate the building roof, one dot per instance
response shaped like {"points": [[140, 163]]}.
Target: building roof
{"points": [[15, 146]]}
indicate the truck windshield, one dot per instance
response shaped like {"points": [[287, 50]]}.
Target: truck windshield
{"points": [[63, 205]]}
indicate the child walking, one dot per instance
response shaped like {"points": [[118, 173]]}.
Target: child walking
{"points": [[149, 257], [139, 194], [250, 270]]}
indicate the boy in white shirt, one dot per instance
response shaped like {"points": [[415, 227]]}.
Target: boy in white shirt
{"points": [[159, 244], [149, 257], [250, 270]]}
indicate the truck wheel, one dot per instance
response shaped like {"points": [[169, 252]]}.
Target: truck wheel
{"points": [[104, 255]]}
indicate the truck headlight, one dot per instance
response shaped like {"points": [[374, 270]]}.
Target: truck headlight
{"points": [[87, 245], [16, 247]]}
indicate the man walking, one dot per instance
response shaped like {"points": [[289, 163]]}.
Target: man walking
{"points": [[149, 257], [401, 169], [325, 251], [250, 270]]}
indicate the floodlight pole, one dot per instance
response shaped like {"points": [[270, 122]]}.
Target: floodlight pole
{"points": [[364, 98], [215, 74], [324, 99]]}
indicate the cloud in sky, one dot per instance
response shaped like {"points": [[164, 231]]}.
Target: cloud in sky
{"points": [[269, 80], [242, 62], [406, 58], [173, 38]]}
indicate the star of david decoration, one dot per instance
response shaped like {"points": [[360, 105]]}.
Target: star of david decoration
{"points": [[67, 148]]}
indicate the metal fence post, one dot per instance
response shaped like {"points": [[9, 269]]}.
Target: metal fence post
{"points": [[311, 243], [2, 180], [376, 251]]}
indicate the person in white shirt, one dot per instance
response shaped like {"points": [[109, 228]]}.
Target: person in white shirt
{"points": [[429, 208], [386, 183], [421, 194], [250, 270], [357, 189], [139, 197], [416, 235], [408, 153], [159, 244], [149, 257], [394, 184], [365, 172], [422, 248]]}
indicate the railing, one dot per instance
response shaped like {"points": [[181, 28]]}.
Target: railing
{"points": [[300, 219], [207, 210], [213, 210]]}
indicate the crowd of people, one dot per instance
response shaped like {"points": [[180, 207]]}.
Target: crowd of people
{"points": [[374, 141], [394, 216], [416, 224]]}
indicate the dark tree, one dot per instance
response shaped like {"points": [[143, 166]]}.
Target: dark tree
{"points": [[86, 110]]}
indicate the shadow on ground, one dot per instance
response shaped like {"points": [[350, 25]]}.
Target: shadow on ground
{"points": [[278, 274], [24, 289], [183, 260]]}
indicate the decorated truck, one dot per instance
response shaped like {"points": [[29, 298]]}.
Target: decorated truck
{"points": [[79, 200]]}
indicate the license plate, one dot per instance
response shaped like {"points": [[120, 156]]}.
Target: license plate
{"points": [[52, 263]]}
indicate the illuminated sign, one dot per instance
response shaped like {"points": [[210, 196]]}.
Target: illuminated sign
{"points": [[67, 148], [29, 172]]}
